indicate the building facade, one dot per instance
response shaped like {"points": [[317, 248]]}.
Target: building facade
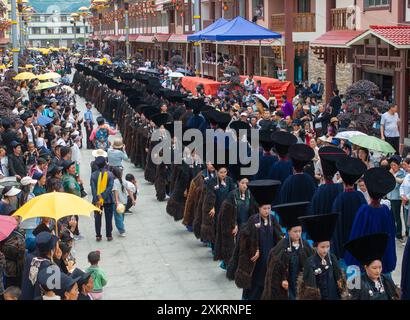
{"points": [[56, 30]]}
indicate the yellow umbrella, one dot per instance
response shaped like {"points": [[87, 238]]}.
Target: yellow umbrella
{"points": [[2, 66], [55, 205], [46, 85], [83, 9], [49, 76], [25, 76], [29, 66], [77, 54]]}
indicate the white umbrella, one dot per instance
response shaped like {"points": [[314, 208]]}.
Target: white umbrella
{"points": [[142, 69], [176, 75], [262, 99], [346, 135]]}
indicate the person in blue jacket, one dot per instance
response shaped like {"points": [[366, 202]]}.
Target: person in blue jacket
{"points": [[376, 217]]}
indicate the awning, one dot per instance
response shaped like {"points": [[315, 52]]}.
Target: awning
{"points": [[161, 37], [107, 38], [122, 38], [134, 37], [336, 39], [264, 43], [178, 38], [397, 36], [147, 39]]}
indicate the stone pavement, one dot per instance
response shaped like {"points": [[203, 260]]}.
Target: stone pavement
{"points": [[158, 258]]}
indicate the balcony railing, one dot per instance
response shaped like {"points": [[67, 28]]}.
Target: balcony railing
{"points": [[342, 19], [302, 22]]}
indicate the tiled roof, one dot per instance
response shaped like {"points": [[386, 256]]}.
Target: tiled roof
{"points": [[179, 38], [396, 35], [337, 38]]}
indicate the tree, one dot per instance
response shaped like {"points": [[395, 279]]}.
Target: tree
{"points": [[363, 107]]}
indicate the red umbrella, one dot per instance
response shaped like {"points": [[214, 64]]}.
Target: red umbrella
{"points": [[7, 225]]}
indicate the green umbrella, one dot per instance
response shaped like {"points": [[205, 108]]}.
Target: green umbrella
{"points": [[46, 85], [372, 143]]}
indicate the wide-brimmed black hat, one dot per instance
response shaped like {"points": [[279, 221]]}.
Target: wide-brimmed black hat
{"points": [[82, 277], [196, 104], [239, 125], [320, 227], [350, 169], [368, 248], [220, 118], [282, 141], [265, 139], [329, 156], [161, 119], [379, 182], [290, 212], [149, 111], [264, 191], [300, 154]]}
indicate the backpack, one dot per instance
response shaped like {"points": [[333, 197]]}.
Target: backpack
{"points": [[101, 139]]}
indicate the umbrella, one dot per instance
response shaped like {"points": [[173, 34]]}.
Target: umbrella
{"points": [[29, 66], [346, 135], [49, 76], [46, 85], [7, 225], [25, 76], [142, 69], [176, 75], [2, 66], [262, 99], [43, 120], [55, 205], [372, 143]]}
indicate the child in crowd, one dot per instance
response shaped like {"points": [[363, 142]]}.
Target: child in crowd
{"points": [[97, 274], [12, 293], [132, 187]]}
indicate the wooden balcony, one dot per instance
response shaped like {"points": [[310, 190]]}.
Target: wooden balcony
{"points": [[342, 19], [302, 22]]}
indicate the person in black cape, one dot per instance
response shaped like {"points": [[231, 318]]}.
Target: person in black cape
{"points": [[374, 285], [324, 196], [299, 186], [323, 278], [266, 156], [287, 258], [261, 233], [347, 203]]}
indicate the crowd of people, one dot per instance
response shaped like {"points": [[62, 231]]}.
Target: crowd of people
{"points": [[316, 205]]}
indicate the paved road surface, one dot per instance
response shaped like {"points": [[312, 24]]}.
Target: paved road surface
{"points": [[158, 259]]}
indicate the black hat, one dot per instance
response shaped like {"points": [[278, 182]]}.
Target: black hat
{"points": [[320, 227], [53, 169], [282, 141], [45, 241], [350, 169], [219, 151], [221, 118], [149, 111], [67, 164], [290, 212], [82, 277], [265, 139], [264, 191], [239, 125], [300, 154], [328, 158], [368, 248], [160, 119], [379, 182], [196, 104]]}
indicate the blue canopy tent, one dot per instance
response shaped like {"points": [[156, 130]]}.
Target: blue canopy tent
{"points": [[197, 36], [240, 29]]}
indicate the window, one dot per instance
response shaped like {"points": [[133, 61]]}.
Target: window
{"points": [[258, 10], [63, 18], [377, 3], [36, 30], [35, 18]]}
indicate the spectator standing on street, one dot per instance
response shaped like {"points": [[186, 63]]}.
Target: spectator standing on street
{"points": [[389, 127], [98, 275], [89, 124], [249, 83], [287, 107]]}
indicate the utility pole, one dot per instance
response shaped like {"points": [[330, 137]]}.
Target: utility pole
{"points": [[197, 19], [127, 33], [16, 48]]}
